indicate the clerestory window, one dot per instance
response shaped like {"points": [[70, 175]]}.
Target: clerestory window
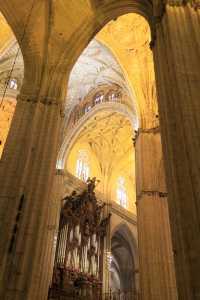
{"points": [[13, 84], [121, 192], [99, 98]]}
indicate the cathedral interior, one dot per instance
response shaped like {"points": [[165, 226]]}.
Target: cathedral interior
{"points": [[99, 149]]}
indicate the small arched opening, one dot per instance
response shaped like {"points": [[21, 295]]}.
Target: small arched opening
{"points": [[123, 265]]}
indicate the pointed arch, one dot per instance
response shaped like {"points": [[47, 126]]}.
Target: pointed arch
{"points": [[124, 256]]}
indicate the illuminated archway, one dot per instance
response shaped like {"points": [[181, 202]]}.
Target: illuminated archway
{"points": [[106, 138], [124, 260], [11, 78]]}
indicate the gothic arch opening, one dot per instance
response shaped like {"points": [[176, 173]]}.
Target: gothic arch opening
{"points": [[11, 78], [99, 142], [57, 33], [97, 153], [123, 270], [110, 79]]}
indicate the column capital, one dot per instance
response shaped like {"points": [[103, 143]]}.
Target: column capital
{"points": [[42, 99], [151, 193], [46, 100], [194, 3], [160, 12], [60, 172], [156, 21], [153, 130]]}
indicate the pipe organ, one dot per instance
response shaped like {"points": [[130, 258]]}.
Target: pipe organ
{"points": [[79, 254]]}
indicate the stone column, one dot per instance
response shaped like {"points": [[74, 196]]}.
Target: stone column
{"points": [[156, 266], [26, 175], [177, 65], [50, 236]]}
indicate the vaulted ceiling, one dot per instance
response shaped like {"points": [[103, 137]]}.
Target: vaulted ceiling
{"points": [[52, 35], [128, 38], [6, 34], [96, 66], [107, 137], [8, 58]]}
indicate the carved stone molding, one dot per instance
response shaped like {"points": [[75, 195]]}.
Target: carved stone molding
{"points": [[151, 194], [153, 130], [177, 2], [40, 99], [149, 130], [194, 3], [44, 100], [156, 21]]}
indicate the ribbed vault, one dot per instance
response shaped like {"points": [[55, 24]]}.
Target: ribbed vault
{"points": [[106, 137], [54, 39]]}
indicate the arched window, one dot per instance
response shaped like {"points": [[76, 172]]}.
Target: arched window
{"points": [[82, 165], [13, 84], [98, 98], [87, 108], [121, 192], [112, 96]]}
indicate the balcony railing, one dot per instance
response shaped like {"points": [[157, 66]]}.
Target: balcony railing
{"points": [[79, 111]]}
